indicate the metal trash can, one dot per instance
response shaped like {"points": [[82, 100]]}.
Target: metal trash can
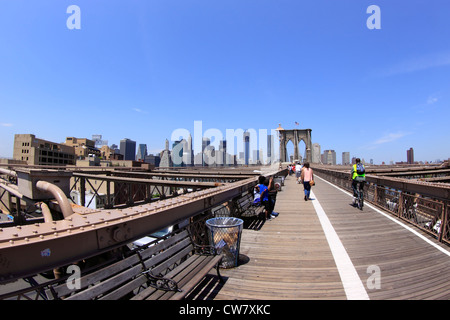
{"points": [[225, 236]]}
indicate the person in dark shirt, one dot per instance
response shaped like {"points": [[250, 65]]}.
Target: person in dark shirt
{"points": [[264, 188]]}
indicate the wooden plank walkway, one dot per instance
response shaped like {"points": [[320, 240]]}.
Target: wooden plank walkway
{"points": [[290, 258]]}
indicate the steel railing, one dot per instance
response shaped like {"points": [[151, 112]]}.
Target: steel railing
{"points": [[424, 205]]}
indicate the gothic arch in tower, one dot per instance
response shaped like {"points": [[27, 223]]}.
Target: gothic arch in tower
{"points": [[295, 135]]}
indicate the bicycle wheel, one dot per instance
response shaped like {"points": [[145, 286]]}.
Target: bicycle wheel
{"points": [[361, 200]]}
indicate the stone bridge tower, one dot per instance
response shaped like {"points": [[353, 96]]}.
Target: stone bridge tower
{"points": [[295, 135]]}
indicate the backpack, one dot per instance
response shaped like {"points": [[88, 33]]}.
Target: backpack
{"points": [[360, 170]]}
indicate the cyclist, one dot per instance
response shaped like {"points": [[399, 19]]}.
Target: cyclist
{"points": [[358, 176]]}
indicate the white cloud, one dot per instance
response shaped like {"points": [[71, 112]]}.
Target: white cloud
{"points": [[6, 124], [390, 137], [139, 110], [429, 104], [418, 64], [432, 99]]}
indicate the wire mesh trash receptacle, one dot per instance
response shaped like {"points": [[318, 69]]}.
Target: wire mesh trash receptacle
{"points": [[225, 236]]}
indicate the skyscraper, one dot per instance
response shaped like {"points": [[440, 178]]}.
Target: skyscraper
{"points": [[166, 159], [246, 147], [345, 158], [410, 156], [177, 153], [316, 153], [128, 149], [329, 157], [142, 152], [221, 158], [270, 144], [208, 153], [189, 152]]}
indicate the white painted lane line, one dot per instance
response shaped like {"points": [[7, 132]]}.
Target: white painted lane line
{"points": [[353, 286], [443, 250]]}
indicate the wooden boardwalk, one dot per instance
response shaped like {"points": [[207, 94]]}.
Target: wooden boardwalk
{"points": [[367, 255]]}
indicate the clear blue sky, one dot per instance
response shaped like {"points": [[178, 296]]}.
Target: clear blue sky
{"points": [[141, 69]]}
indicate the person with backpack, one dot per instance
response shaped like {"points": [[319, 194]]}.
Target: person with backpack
{"points": [[358, 176]]}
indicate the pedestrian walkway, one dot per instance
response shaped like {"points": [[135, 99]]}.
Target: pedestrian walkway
{"points": [[327, 249]]}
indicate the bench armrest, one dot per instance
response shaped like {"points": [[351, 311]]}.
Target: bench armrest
{"points": [[205, 249], [160, 283]]}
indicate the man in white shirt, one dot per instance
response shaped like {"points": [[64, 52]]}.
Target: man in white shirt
{"points": [[298, 171]]}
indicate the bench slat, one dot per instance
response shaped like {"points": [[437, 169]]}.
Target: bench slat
{"points": [[125, 289], [178, 275], [173, 257], [99, 275], [200, 273], [129, 273], [246, 207], [150, 290]]}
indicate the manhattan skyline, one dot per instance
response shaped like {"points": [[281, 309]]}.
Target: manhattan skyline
{"points": [[142, 69]]}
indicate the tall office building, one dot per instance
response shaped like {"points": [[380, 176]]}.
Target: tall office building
{"points": [[329, 157], [270, 146], [345, 158], [410, 155], [189, 152], [165, 157], [142, 152], [128, 149], [316, 153], [246, 147], [221, 154], [206, 151], [178, 148]]}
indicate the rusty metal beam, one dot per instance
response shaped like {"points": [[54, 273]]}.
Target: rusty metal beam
{"points": [[30, 249], [155, 182], [187, 175]]}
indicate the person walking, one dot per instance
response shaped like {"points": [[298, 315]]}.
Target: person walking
{"points": [[307, 176], [298, 172]]}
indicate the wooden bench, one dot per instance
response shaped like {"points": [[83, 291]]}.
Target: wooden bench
{"points": [[246, 208], [169, 269]]}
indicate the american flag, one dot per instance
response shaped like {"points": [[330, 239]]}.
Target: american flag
{"points": [[296, 123]]}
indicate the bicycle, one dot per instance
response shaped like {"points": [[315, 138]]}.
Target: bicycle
{"points": [[359, 190], [360, 200]]}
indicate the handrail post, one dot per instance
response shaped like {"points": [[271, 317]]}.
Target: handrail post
{"points": [[83, 191], [400, 205], [444, 219]]}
